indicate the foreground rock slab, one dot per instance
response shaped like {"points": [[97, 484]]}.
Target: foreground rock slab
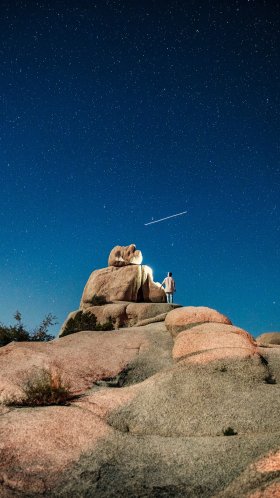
{"points": [[208, 429], [85, 357]]}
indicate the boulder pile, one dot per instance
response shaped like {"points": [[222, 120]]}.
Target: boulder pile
{"points": [[124, 292], [179, 403]]}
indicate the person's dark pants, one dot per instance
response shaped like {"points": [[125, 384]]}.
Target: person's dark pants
{"points": [[169, 296]]}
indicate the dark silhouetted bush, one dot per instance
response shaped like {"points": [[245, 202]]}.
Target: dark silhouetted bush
{"points": [[98, 300], [229, 432], [85, 320], [19, 333]]}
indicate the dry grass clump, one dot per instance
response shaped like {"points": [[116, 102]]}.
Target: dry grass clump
{"points": [[42, 387]]}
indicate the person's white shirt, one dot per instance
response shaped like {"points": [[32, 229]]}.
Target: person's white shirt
{"points": [[169, 284]]}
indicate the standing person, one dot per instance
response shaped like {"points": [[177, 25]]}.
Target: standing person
{"points": [[170, 287]]}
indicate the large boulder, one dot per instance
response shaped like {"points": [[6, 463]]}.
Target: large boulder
{"points": [[213, 341], [132, 283], [269, 338], [226, 397], [125, 255], [113, 284], [189, 316]]}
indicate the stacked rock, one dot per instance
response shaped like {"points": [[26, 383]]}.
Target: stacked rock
{"points": [[124, 292]]}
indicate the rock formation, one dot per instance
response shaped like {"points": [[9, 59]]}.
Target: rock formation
{"points": [[125, 279], [146, 425], [178, 402], [125, 255], [269, 338], [115, 287], [188, 316]]}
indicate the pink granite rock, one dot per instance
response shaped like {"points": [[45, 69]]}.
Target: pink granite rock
{"points": [[125, 255], [189, 316], [83, 358], [212, 341], [38, 444]]}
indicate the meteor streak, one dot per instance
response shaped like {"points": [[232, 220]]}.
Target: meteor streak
{"points": [[167, 218]]}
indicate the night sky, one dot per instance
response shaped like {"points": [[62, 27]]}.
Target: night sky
{"points": [[114, 113]]}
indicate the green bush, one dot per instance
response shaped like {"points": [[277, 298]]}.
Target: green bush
{"points": [[19, 333], [229, 432], [98, 300], [42, 387], [85, 320]]}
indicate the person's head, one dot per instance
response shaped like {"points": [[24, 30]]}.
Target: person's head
{"points": [[169, 274]]}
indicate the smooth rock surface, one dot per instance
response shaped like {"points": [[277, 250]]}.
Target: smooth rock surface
{"points": [[164, 430], [83, 357], [194, 400], [269, 338], [114, 284], [213, 341], [188, 316]]}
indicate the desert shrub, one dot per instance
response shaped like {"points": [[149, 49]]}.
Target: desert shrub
{"points": [[85, 320], [109, 325], [19, 333], [98, 300], [229, 432], [42, 387], [270, 379]]}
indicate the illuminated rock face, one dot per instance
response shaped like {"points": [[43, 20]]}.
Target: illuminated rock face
{"points": [[125, 255], [113, 284], [109, 291], [132, 283]]}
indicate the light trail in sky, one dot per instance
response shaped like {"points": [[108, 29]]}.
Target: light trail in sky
{"points": [[167, 218]]}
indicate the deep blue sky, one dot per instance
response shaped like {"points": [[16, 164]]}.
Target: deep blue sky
{"points": [[116, 112]]}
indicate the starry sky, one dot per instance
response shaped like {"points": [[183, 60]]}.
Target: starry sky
{"points": [[114, 113]]}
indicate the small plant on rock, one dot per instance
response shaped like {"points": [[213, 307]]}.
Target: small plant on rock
{"points": [[229, 432], [98, 300], [42, 387]]}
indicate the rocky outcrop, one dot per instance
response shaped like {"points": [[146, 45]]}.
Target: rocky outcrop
{"points": [[125, 255], [108, 292], [140, 394], [124, 314], [269, 338], [129, 283], [121, 441], [183, 318], [113, 284]]}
